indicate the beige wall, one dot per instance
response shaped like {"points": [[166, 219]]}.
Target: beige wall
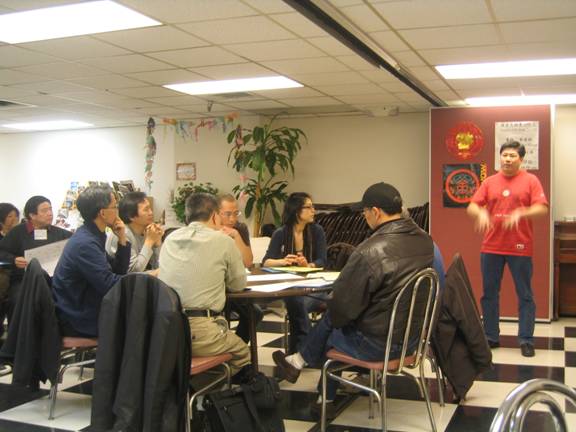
{"points": [[564, 163]]}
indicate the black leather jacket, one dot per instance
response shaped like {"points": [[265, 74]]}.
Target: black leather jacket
{"points": [[379, 267]]}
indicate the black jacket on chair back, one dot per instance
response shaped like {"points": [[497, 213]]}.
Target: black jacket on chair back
{"points": [[459, 343], [143, 361], [33, 341]]}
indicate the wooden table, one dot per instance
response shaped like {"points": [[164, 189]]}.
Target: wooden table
{"points": [[564, 269], [249, 296]]}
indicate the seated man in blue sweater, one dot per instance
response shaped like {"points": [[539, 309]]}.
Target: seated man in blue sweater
{"points": [[85, 273]]}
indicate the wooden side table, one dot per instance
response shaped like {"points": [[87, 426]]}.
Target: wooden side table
{"points": [[564, 269]]}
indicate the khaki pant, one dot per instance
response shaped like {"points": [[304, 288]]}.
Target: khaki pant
{"points": [[211, 336]]}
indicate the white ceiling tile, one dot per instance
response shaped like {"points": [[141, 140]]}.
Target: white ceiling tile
{"points": [[543, 50], [448, 37], [239, 70], [75, 48], [364, 18], [490, 91], [299, 25], [424, 73], [261, 104], [379, 76], [351, 89], [478, 54], [519, 10], [204, 56], [467, 84], [329, 78], [33, 4], [356, 63], [436, 85], [42, 100], [61, 70], [426, 13], [389, 41], [343, 3], [408, 58], [276, 50], [14, 92], [394, 86], [51, 87], [331, 46], [171, 76], [152, 39], [302, 66], [383, 98], [247, 29], [12, 56], [178, 101], [298, 92], [146, 92], [9, 76], [314, 101], [539, 31], [106, 82], [129, 103], [203, 108], [410, 97], [446, 95], [538, 90], [126, 64], [269, 6], [178, 11], [162, 111]]}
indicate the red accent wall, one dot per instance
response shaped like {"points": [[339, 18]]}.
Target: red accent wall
{"points": [[453, 230]]}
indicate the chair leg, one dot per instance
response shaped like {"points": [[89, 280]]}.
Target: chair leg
{"points": [[371, 396], [324, 378], [383, 418], [286, 324], [439, 379], [188, 416], [427, 397], [52, 399]]}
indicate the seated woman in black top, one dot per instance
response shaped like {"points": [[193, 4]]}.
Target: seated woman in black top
{"points": [[298, 242]]}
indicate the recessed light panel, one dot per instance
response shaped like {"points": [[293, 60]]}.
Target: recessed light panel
{"points": [[48, 125], [233, 86], [553, 99], [70, 20], [509, 69]]}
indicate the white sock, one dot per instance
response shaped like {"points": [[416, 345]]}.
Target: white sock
{"points": [[319, 400], [296, 360]]}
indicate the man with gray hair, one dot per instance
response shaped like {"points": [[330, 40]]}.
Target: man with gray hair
{"points": [[200, 262]]}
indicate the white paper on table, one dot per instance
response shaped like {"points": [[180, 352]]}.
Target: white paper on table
{"points": [[47, 255], [272, 276], [302, 283], [327, 276]]}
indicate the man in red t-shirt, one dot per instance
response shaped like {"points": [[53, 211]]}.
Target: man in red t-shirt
{"points": [[503, 207]]}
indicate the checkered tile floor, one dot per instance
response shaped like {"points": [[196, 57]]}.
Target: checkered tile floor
{"points": [[555, 359]]}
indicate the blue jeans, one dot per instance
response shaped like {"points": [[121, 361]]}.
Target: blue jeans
{"points": [[298, 309], [348, 340], [521, 269]]}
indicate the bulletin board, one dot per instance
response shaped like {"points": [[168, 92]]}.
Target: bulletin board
{"points": [[462, 154]]}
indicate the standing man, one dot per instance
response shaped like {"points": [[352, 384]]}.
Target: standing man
{"points": [[502, 208], [143, 234], [201, 263], [36, 231], [85, 273]]}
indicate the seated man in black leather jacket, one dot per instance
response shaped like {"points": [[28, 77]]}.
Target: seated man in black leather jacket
{"points": [[358, 314]]}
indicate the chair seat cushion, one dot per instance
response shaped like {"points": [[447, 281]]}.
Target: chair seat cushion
{"points": [[78, 342], [374, 365], [202, 364]]}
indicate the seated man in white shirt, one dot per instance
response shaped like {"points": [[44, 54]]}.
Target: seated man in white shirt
{"points": [[201, 263], [143, 234]]}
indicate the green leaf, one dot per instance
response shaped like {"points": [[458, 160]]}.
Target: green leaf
{"points": [[249, 206], [231, 136]]}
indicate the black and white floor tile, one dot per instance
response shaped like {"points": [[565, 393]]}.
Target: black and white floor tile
{"points": [[23, 411]]}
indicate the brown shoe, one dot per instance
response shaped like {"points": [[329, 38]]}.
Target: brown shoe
{"points": [[287, 371]]}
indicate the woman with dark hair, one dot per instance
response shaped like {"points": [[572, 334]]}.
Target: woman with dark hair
{"points": [[9, 216], [298, 242]]}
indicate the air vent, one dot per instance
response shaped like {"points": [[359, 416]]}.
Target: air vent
{"points": [[6, 104], [228, 96]]}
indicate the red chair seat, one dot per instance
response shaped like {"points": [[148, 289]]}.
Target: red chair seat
{"points": [[78, 342], [202, 364], [392, 364]]}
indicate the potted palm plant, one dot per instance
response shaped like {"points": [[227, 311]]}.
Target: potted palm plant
{"points": [[263, 154]]}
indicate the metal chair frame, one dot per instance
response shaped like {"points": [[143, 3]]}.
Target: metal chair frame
{"points": [[411, 361], [512, 413]]}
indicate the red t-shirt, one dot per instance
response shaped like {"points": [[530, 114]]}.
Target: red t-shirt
{"points": [[501, 195]]}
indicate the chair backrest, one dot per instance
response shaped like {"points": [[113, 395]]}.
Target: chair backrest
{"points": [[259, 247], [511, 414], [419, 297]]}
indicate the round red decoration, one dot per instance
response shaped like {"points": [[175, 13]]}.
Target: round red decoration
{"points": [[465, 140]]}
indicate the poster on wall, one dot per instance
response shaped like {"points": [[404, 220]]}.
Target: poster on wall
{"points": [[464, 140], [460, 181], [525, 132]]}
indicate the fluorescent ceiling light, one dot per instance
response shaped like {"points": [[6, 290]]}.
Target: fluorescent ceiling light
{"points": [[553, 99], [509, 69], [233, 86], [48, 125], [70, 20]]}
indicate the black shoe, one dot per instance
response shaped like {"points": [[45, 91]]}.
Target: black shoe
{"points": [[493, 344], [287, 371], [316, 411], [527, 350]]}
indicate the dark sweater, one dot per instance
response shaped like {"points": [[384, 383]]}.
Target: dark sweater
{"points": [[21, 238], [83, 276], [276, 249]]}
